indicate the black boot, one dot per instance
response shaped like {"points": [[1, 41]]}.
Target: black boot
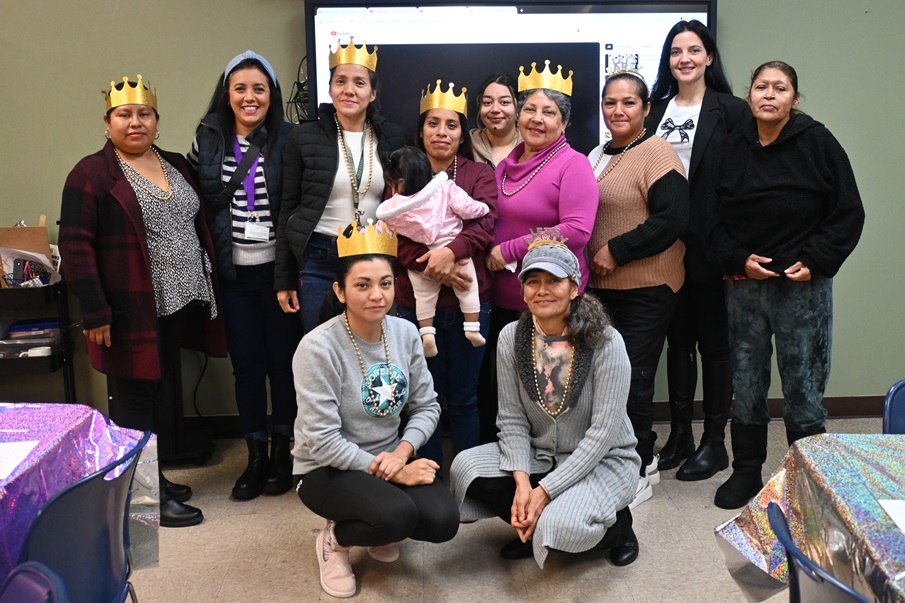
{"points": [[749, 452], [279, 475], [711, 455], [516, 549], [251, 483], [621, 540], [793, 435], [174, 514], [178, 492], [681, 373]]}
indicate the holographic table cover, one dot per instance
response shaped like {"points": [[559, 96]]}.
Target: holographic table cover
{"points": [[73, 441], [828, 486]]}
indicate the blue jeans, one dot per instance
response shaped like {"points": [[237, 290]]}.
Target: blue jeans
{"points": [[455, 370], [317, 278], [261, 341], [799, 316]]}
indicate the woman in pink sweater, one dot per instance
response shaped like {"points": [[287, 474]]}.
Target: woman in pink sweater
{"points": [[544, 183]]}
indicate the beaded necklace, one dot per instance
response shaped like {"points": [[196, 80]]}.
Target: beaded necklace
{"points": [[533, 174], [455, 168], [355, 179], [136, 179], [565, 391], [618, 158], [364, 373]]}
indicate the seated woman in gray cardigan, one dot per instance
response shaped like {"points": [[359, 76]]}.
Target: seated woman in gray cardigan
{"points": [[565, 468]]}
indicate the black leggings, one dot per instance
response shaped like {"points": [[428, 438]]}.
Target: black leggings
{"points": [[371, 512]]}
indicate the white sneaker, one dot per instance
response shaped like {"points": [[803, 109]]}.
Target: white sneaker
{"points": [[385, 553], [653, 473], [642, 493], [337, 578]]}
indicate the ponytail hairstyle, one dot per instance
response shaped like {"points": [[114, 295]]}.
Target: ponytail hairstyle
{"points": [[587, 322], [410, 165]]}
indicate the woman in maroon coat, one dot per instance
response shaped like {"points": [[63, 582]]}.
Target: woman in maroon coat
{"points": [[138, 257], [442, 135]]}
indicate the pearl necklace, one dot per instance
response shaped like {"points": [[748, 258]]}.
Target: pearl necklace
{"points": [[455, 168], [359, 192], [135, 178], [619, 157], [364, 373], [565, 391], [533, 174]]}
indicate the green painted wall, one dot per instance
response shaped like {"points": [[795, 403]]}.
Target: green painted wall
{"points": [[58, 56]]}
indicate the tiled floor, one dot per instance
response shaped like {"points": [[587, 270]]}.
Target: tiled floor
{"points": [[263, 550]]}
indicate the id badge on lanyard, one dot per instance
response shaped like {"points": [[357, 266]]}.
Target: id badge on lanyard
{"points": [[255, 231]]}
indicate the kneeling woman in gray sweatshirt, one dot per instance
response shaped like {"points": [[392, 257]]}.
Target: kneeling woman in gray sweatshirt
{"points": [[354, 374]]}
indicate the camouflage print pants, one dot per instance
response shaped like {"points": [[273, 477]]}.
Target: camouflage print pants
{"points": [[799, 316]]}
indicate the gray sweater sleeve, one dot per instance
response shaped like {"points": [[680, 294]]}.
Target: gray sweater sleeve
{"points": [[321, 371], [512, 420], [608, 387], [422, 407]]}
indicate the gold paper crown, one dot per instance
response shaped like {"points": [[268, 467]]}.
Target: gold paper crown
{"points": [[545, 236], [366, 240], [351, 54], [131, 94], [444, 100], [544, 79]]}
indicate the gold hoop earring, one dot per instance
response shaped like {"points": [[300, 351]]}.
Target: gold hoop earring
{"points": [[107, 134], [156, 136]]}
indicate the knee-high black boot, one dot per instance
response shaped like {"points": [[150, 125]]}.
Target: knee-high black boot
{"points": [[681, 373], [793, 435], [711, 455], [749, 452]]}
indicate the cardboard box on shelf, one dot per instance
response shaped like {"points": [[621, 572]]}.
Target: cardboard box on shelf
{"points": [[31, 239]]}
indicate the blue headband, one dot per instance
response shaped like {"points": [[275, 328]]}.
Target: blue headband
{"points": [[250, 54]]}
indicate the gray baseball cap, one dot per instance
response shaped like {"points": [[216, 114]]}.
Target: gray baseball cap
{"points": [[555, 258]]}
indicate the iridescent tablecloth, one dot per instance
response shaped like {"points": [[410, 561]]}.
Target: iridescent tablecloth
{"points": [[828, 486], [72, 441]]}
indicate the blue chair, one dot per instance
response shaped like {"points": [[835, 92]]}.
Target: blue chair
{"points": [[808, 582], [33, 582], [894, 409], [82, 534]]}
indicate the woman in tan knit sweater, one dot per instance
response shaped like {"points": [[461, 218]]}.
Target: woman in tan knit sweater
{"points": [[635, 252]]}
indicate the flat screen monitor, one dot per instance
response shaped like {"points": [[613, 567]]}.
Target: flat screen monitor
{"points": [[463, 43]]}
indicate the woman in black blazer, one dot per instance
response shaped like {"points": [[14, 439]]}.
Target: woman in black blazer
{"points": [[693, 108]]}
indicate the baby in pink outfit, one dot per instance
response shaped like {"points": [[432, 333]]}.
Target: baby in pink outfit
{"points": [[433, 217]]}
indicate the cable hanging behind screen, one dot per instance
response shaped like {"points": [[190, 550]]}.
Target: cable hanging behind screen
{"points": [[297, 105]]}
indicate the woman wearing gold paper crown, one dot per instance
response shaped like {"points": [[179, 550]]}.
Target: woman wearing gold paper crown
{"points": [[442, 135], [635, 251], [139, 260], [242, 201], [347, 435], [565, 468], [543, 183], [332, 174]]}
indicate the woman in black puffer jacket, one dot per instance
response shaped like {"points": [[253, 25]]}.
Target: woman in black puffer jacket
{"points": [[332, 175], [247, 109]]}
